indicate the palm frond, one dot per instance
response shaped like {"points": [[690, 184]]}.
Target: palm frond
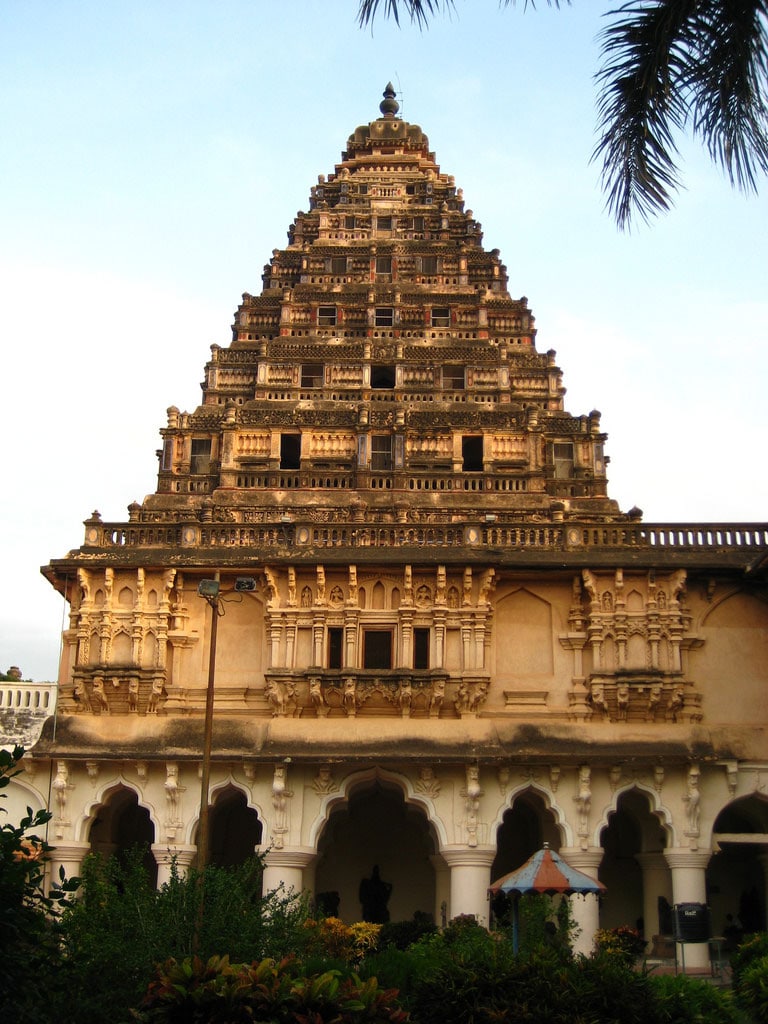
{"points": [[421, 11], [639, 106], [669, 64], [727, 81]]}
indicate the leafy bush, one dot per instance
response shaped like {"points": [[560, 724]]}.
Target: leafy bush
{"points": [[624, 943], [403, 934], [683, 1000], [278, 993], [29, 918], [122, 927], [752, 948], [753, 990], [349, 943]]}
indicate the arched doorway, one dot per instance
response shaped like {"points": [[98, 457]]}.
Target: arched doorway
{"points": [[736, 875], [235, 830], [377, 827], [524, 829], [633, 866], [120, 826]]}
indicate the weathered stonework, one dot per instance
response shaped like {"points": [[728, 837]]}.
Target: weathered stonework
{"points": [[458, 646]]}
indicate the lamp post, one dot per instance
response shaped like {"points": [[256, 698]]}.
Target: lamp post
{"points": [[210, 591]]}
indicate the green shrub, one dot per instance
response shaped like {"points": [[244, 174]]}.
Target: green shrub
{"points": [[624, 943], [122, 927], [403, 934], [683, 1000], [753, 947], [278, 993], [29, 919], [752, 991]]}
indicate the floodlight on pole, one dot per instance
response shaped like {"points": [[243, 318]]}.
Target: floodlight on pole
{"points": [[208, 589], [245, 584]]}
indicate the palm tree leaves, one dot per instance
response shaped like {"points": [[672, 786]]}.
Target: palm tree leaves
{"points": [[670, 65]]}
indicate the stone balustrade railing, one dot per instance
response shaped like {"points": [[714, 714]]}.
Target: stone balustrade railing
{"points": [[743, 542], [27, 696]]}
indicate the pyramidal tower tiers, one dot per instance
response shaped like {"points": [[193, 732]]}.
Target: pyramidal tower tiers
{"points": [[384, 374], [439, 630]]}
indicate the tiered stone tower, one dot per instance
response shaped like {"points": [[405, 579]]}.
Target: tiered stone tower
{"points": [[448, 612]]}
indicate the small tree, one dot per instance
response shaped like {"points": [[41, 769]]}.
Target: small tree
{"points": [[29, 918]]}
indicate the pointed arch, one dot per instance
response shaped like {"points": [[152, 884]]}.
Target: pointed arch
{"points": [[216, 789], [103, 795], [656, 808], [369, 776], [550, 804]]}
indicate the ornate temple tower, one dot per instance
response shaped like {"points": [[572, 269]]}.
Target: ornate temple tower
{"points": [[457, 646]]}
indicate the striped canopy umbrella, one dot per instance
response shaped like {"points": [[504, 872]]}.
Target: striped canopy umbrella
{"points": [[544, 873]]}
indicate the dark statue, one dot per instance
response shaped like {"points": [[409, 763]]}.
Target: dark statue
{"points": [[374, 897]]}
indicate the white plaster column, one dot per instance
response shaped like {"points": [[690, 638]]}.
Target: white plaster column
{"points": [[166, 853], [585, 910], [442, 889], [657, 881], [470, 877], [286, 868], [67, 855], [689, 886]]}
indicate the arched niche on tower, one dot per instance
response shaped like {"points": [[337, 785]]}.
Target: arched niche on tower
{"points": [[732, 668], [524, 636], [241, 651]]}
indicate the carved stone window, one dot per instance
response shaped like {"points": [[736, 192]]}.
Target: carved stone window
{"points": [[381, 453], [335, 646], [312, 375], [385, 316], [377, 648], [326, 316], [441, 316], [421, 648], [562, 452], [200, 460], [454, 377], [290, 451], [472, 453], [383, 377]]}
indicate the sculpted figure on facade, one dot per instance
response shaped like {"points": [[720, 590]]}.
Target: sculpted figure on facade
{"points": [[427, 782], [291, 587], [99, 702], [280, 797], [273, 691], [172, 797], [692, 801], [320, 595], [155, 695], [323, 781], [61, 787], [472, 794], [436, 697], [349, 696], [316, 695], [583, 801]]}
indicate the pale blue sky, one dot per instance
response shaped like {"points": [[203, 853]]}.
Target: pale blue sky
{"points": [[153, 155]]}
